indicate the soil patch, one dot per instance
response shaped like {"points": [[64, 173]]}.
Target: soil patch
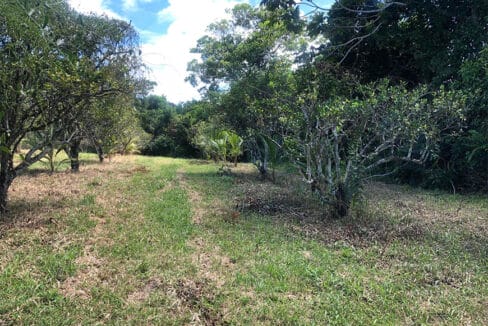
{"points": [[87, 276], [196, 296], [144, 293]]}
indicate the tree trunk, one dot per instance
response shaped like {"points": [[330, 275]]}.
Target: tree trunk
{"points": [[263, 171], [74, 154], [7, 175], [3, 196], [341, 204], [100, 153], [51, 156]]}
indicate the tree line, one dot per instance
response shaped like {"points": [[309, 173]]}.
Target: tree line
{"points": [[365, 89]]}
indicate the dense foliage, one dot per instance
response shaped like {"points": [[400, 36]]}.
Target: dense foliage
{"points": [[432, 43], [61, 76], [168, 126], [363, 89]]}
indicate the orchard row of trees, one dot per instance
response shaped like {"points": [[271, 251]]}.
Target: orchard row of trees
{"points": [[361, 90], [364, 89], [64, 78]]}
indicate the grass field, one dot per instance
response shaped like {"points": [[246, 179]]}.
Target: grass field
{"points": [[163, 241]]}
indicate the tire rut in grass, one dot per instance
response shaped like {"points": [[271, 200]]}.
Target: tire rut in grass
{"points": [[200, 293], [194, 196]]}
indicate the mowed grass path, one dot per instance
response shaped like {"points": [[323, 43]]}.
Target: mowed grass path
{"points": [[162, 241]]}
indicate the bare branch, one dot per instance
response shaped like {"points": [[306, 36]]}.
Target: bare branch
{"points": [[358, 41]]}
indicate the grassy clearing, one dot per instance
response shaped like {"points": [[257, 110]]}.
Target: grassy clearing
{"points": [[162, 241]]}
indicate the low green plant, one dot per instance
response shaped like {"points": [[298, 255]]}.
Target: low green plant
{"points": [[266, 154], [220, 145]]}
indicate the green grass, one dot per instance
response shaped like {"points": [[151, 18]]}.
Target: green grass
{"points": [[126, 249], [439, 277], [60, 162]]}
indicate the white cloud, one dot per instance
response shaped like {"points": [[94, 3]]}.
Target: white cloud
{"points": [[99, 7], [129, 4], [167, 55], [133, 5]]}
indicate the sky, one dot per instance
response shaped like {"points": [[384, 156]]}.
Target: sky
{"points": [[168, 29]]}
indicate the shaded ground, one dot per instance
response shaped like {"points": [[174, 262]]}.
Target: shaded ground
{"points": [[387, 212]]}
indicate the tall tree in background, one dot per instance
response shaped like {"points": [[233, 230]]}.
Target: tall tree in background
{"points": [[112, 126], [245, 61], [417, 42], [414, 41]]}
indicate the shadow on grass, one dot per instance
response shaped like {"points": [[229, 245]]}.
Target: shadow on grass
{"points": [[30, 214], [199, 162], [288, 202]]}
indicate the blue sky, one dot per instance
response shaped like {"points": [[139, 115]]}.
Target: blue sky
{"points": [[168, 30], [144, 15]]}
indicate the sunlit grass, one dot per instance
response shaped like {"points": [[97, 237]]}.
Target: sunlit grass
{"points": [[119, 243]]}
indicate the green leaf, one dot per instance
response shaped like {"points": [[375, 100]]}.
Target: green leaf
{"points": [[4, 149], [46, 21]]}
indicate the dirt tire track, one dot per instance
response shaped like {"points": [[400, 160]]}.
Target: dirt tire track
{"points": [[207, 257], [194, 196]]}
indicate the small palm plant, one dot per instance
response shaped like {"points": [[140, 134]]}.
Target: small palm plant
{"points": [[234, 142], [229, 146], [222, 146]]}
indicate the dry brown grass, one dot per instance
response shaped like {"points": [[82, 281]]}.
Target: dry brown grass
{"points": [[143, 294], [430, 210], [211, 263], [87, 276], [40, 205], [33, 197], [411, 213]]}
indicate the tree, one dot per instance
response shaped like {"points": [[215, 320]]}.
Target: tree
{"points": [[111, 49], [156, 115], [36, 81], [408, 40], [245, 62], [46, 80], [413, 42], [358, 19], [341, 141], [112, 125], [462, 161], [420, 42]]}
